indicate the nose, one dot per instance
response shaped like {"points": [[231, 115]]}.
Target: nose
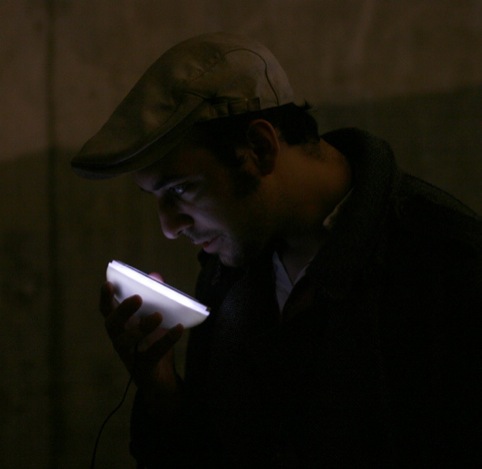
{"points": [[173, 221]]}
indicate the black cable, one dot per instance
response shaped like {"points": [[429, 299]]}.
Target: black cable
{"points": [[104, 423], [112, 413]]}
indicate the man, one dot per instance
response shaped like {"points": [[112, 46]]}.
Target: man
{"points": [[345, 295]]}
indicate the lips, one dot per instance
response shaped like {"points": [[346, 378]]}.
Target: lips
{"points": [[209, 245], [206, 244]]}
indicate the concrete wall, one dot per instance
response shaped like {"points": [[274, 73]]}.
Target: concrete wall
{"points": [[409, 70]]}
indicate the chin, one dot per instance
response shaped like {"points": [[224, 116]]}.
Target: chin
{"points": [[237, 257], [232, 258], [230, 261]]}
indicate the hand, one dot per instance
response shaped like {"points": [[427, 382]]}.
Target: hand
{"points": [[145, 348]]}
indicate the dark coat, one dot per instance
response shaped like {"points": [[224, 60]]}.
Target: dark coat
{"points": [[376, 360]]}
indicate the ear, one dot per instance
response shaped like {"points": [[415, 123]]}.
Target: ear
{"points": [[263, 141]]}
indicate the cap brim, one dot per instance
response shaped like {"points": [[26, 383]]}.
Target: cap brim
{"points": [[93, 162]]}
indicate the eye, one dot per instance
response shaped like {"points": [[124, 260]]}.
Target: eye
{"points": [[178, 189]]}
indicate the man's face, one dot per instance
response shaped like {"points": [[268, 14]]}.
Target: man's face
{"points": [[222, 209]]}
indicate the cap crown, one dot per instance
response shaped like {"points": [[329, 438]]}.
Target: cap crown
{"points": [[202, 78]]}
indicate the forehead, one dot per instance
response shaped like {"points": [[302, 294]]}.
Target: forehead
{"points": [[186, 161]]}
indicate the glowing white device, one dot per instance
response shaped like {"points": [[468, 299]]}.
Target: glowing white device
{"points": [[175, 306]]}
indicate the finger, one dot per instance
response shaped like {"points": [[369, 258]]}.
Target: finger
{"points": [[149, 323], [157, 276], [115, 322], [126, 341], [162, 346], [125, 344], [107, 302]]}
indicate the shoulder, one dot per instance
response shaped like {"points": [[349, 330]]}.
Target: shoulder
{"points": [[435, 233], [430, 212]]}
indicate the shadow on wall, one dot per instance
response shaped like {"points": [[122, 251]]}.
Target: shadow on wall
{"points": [[437, 137], [57, 233]]}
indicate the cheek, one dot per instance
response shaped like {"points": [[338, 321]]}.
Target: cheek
{"points": [[219, 211], [250, 223], [238, 216]]}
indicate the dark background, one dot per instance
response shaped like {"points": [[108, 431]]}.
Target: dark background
{"points": [[410, 71]]}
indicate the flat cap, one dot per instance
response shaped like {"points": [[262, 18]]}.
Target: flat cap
{"points": [[203, 78]]}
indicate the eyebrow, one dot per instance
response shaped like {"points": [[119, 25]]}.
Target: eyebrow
{"points": [[168, 180], [161, 183]]}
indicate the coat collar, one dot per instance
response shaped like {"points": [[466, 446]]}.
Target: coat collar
{"points": [[359, 224]]}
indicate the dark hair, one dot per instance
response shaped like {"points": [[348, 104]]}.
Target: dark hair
{"points": [[222, 136]]}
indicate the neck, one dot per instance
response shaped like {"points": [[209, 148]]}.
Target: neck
{"points": [[296, 254], [318, 186]]}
